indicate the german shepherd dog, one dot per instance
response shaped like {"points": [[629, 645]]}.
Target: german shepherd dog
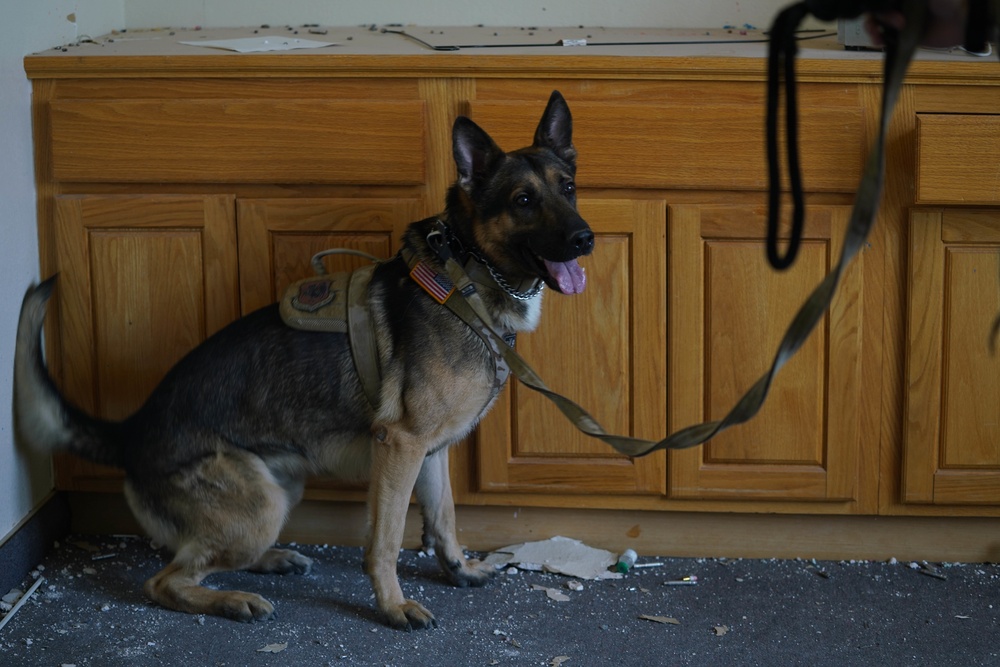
{"points": [[218, 455]]}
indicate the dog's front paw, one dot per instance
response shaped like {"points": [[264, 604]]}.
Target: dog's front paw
{"points": [[410, 615], [244, 607], [471, 572]]}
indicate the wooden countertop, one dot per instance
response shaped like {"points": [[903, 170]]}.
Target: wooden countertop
{"points": [[398, 51]]}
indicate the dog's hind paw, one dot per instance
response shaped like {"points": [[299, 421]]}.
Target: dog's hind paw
{"points": [[409, 616], [471, 573], [282, 561]]}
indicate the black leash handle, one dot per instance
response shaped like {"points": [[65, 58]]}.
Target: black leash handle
{"points": [[782, 50]]}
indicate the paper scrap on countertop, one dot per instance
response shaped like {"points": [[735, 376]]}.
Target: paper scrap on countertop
{"points": [[262, 43], [560, 555]]}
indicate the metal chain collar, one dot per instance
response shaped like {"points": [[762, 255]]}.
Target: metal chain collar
{"points": [[526, 295]]}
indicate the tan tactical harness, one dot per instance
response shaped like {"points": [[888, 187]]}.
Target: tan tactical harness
{"points": [[338, 303]]}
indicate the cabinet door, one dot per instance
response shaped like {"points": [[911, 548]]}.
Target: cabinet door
{"points": [[952, 424], [143, 279], [605, 350], [729, 310], [278, 238]]}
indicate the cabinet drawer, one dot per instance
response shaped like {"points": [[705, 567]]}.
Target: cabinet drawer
{"points": [[250, 141], [957, 159], [700, 146]]}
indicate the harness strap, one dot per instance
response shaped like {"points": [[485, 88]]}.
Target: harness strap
{"points": [[467, 304], [447, 292], [360, 329], [361, 334]]}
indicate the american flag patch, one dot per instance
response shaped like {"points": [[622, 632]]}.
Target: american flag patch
{"points": [[436, 284]]}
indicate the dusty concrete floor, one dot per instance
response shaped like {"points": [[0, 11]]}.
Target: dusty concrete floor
{"points": [[741, 612]]}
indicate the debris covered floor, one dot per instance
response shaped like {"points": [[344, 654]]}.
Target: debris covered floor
{"points": [[89, 610]]}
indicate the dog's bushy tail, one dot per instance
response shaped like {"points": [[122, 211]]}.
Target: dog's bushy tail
{"points": [[43, 418]]}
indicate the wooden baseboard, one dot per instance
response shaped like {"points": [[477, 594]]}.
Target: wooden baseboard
{"points": [[681, 534], [25, 546]]}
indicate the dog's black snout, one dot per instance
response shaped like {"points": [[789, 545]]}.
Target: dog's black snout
{"points": [[583, 241]]}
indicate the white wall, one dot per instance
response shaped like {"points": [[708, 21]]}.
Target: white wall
{"points": [[594, 13], [25, 478]]}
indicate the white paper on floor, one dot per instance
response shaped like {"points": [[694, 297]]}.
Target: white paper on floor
{"points": [[561, 555]]}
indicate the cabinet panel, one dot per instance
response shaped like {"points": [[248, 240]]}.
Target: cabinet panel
{"points": [[952, 426], [638, 145], [729, 310], [605, 350], [143, 279], [238, 140], [956, 159], [598, 375]]}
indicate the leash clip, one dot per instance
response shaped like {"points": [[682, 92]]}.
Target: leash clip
{"points": [[437, 239]]}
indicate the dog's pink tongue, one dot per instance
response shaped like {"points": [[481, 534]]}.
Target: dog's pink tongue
{"points": [[568, 275]]}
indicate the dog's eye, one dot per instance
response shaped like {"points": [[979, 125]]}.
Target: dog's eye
{"points": [[522, 199], [569, 188]]}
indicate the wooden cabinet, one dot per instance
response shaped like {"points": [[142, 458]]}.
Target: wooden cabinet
{"points": [[179, 189], [609, 349]]}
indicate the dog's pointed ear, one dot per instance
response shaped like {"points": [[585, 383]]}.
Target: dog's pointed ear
{"points": [[476, 154], [555, 131]]}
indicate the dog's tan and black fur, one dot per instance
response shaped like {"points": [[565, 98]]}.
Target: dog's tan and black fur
{"points": [[218, 455]]}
